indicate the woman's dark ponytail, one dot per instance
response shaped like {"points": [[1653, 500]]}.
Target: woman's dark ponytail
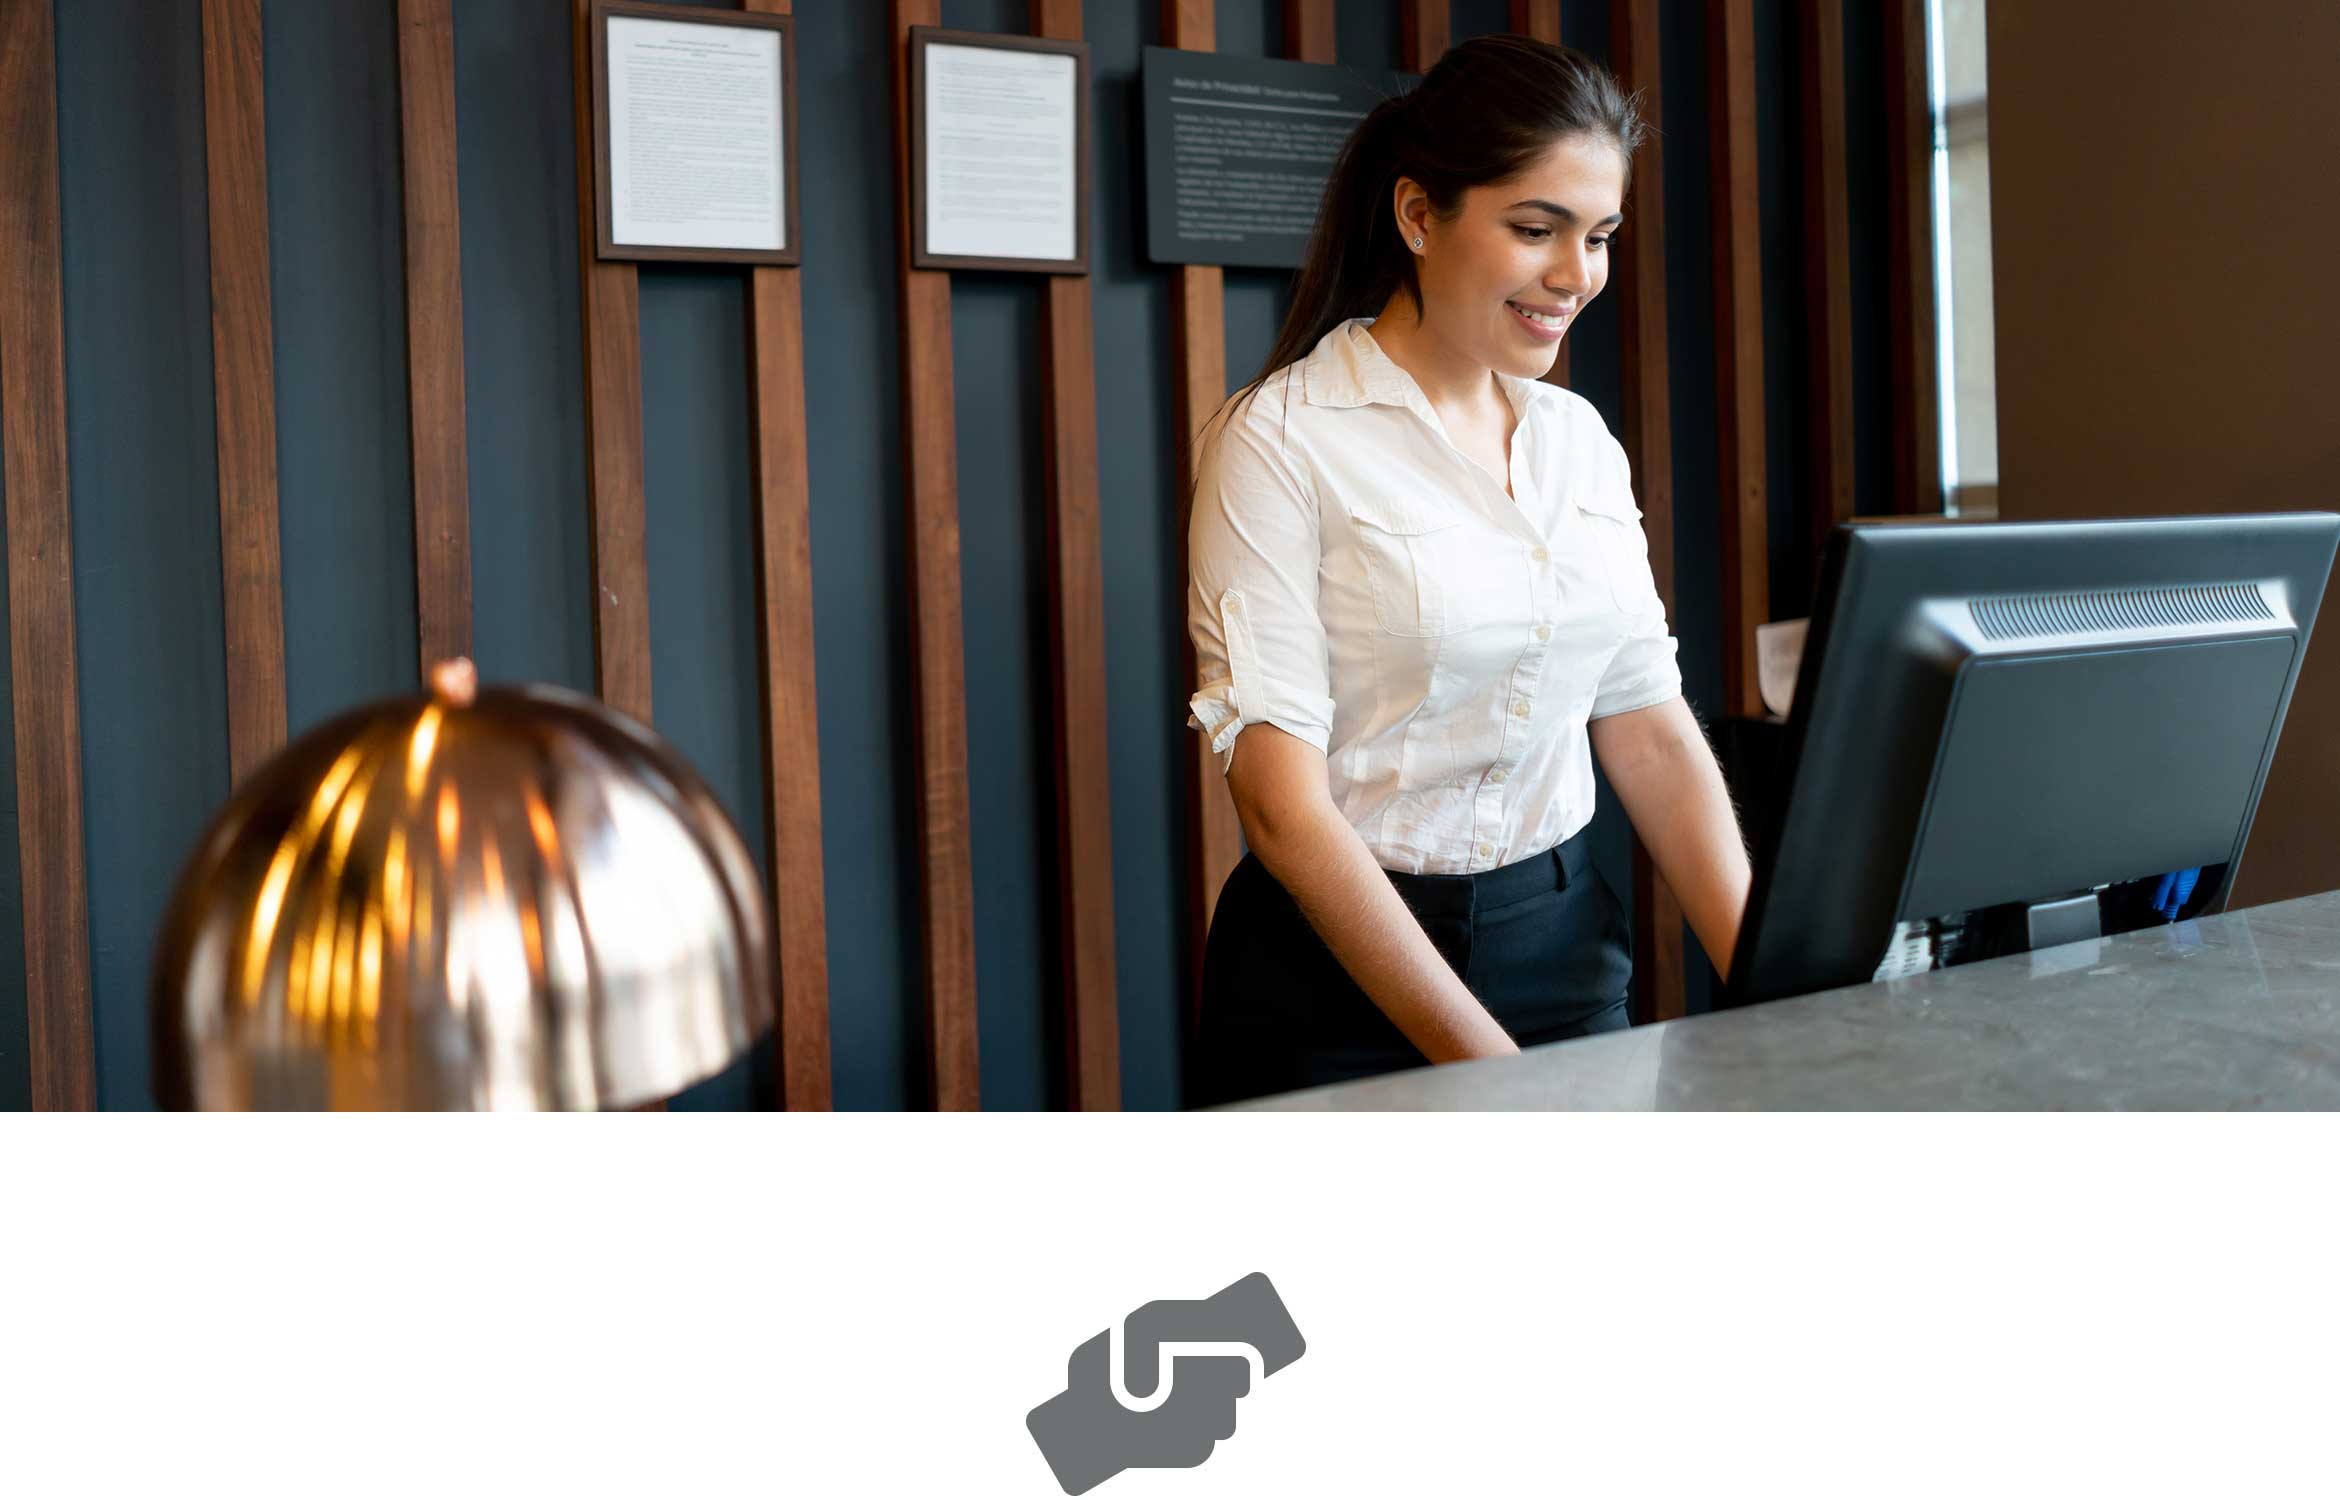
{"points": [[1483, 112], [1353, 257]]}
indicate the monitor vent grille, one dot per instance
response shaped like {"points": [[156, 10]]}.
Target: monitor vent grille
{"points": [[2119, 609]]}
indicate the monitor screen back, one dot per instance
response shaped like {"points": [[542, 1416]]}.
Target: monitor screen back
{"points": [[2059, 773]]}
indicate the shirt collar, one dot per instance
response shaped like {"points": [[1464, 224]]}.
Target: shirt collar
{"points": [[1347, 368]]}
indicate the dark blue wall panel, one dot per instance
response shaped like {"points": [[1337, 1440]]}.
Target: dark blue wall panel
{"points": [[138, 410], [1866, 194], [1690, 368], [523, 360], [996, 320], [1779, 175], [853, 411], [700, 540], [1145, 595], [995, 337], [345, 509]]}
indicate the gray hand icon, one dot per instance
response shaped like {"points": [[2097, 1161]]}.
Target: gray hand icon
{"points": [[1088, 1436], [1246, 1311]]}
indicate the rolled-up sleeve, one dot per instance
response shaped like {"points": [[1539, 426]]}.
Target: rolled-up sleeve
{"points": [[1644, 671], [1253, 550]]}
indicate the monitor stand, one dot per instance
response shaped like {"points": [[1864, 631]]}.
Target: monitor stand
{"points": [[2072, 920]]}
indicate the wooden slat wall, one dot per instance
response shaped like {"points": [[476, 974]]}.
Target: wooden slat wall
{"points": [[1309, 30], [1909, 256], [612, 297], [243, 363], [1537, 18], [1198, 357], [434, 329], [1738, 347], [1425, 31], [938, 656], [40, 568], [790, 715], [1827, 250], [1540, 19], [1076, 631], [1640, 273]]}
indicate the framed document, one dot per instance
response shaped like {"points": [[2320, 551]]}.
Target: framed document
{"points": [[694, 134], [999, 152]]}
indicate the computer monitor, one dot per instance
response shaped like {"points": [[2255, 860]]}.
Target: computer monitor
{"points": [[2022, 717]]}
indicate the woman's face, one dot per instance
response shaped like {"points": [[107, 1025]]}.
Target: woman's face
{"points": [[1537, 242]]}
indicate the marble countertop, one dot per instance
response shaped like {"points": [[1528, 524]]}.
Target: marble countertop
{"points": [[2238, 1011]]}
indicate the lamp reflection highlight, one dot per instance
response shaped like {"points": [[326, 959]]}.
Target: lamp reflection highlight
{"points": [[465, 899]]}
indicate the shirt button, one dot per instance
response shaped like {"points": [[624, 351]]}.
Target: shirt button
{"points": [[1519, 710], [1496, 777], [1540, 554], [1486, 850], [1543, 632]]}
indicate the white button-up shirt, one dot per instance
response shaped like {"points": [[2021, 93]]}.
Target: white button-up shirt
{"points": [[1358, 582]]}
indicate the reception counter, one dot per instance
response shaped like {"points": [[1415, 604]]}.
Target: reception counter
{"points": [[2239, 1011]]}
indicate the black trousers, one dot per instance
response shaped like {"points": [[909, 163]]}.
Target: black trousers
{"points": [[1542, 942]]}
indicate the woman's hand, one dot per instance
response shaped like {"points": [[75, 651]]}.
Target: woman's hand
{"points": [[1282, 795], [1664, 773]]}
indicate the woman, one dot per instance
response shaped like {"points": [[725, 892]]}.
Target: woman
{"points": [[1421, 602]]}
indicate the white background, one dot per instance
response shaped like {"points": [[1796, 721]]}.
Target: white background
{"points": [[1494, 1305]]}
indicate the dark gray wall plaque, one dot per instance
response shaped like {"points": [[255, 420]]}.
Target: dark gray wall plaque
{"points": [[1238, 149]]}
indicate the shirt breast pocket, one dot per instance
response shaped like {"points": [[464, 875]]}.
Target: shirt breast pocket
{"points": [[1613, 523], [1430, 571]]}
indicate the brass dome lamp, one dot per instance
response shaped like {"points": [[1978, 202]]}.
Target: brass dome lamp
{"points": [[511, 898]]}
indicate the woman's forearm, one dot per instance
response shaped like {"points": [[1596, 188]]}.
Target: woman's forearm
{"points": [[1664, 773], [1342, 891], [1684, 816]]}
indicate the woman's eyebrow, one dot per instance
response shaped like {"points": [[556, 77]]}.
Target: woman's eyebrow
{"points": [[1565, 215]]}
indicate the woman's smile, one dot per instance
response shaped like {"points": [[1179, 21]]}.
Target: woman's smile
{"points": [[1544, 325]]}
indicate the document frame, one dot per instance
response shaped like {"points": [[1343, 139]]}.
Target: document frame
{"points": [[607, 247], [923, 37]]}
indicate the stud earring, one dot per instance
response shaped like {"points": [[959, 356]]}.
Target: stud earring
{"points": [[1417, 242]]}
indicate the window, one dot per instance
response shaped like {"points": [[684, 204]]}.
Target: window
{"points": [[1962, 256]]}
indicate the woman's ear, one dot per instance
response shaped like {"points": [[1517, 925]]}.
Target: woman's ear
{"points": [[1412, 207]]}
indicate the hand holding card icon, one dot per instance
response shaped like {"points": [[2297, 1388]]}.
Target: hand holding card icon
{"points": [[1186, 1364]]}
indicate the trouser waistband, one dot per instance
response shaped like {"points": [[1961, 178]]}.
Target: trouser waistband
{"points": [[1459, 895]]}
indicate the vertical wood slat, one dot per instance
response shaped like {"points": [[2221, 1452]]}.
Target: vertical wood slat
{"points": [[1540, 19], [1076, 629], [40, 568], [938, 660], [1309, 30], [1738, 316], [612, 296], [1425, 31], [434, 329], [1659, 971], [1198, 356], [790, 717], [1909, 236], [1828, 377], [243, 363]]}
